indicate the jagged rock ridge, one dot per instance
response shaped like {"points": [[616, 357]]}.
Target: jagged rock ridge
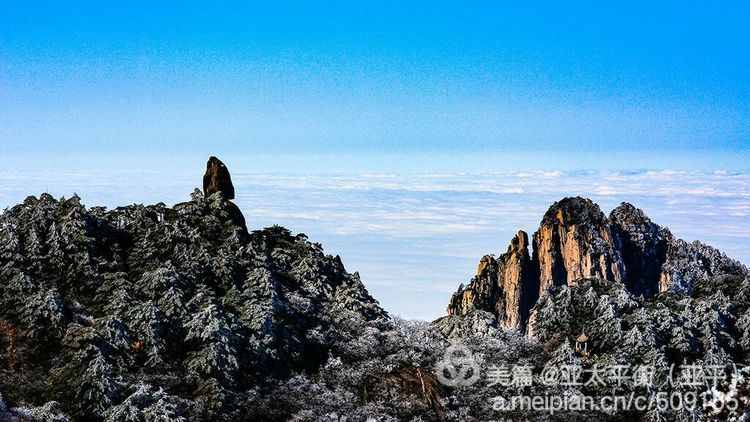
{"points": [[576, 241]]}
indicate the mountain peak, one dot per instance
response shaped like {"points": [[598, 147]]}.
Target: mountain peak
{"points": [[520, 242], [575, 242], [627, 213], [573, 210]]}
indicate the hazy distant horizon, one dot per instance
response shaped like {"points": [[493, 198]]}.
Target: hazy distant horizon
{"points": [[184, 161]]}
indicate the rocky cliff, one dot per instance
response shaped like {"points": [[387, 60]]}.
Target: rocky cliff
{"points": [[577, 241]]}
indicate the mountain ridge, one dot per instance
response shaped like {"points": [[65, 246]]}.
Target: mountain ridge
{"points": [[153, 313], [99, 296]]}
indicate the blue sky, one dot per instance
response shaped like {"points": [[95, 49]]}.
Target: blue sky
{"points": [[369, 80]]}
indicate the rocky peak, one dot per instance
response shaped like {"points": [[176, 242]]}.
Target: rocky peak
{"points": [[519, 243], [519, 281], [217, 179], [574, 242], [627, 215], [688, 264], [574, 211], [481, 293]]}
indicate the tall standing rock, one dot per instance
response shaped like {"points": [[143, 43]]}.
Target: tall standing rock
{"points": [[217, 179], [575, 241], [519, 281], [506, 286]]}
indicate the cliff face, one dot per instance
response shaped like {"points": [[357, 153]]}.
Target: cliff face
{"points": [[576, 241], [518, 277], [643, 249], [506, 286]]}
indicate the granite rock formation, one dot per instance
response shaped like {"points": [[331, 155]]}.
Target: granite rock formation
{"points": [[576, 241]]}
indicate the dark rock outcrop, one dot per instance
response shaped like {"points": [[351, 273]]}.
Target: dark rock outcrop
{"points": [[575, 242], [217, 179], [643, 248]]}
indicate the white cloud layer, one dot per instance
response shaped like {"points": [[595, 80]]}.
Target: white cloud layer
{"points": [[414, 237]]}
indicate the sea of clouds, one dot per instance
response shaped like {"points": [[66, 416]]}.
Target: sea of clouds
{"points": [[415, 237]]}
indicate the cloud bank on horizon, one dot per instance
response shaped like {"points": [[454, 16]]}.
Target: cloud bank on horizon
{"points": [[415, 237]]}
